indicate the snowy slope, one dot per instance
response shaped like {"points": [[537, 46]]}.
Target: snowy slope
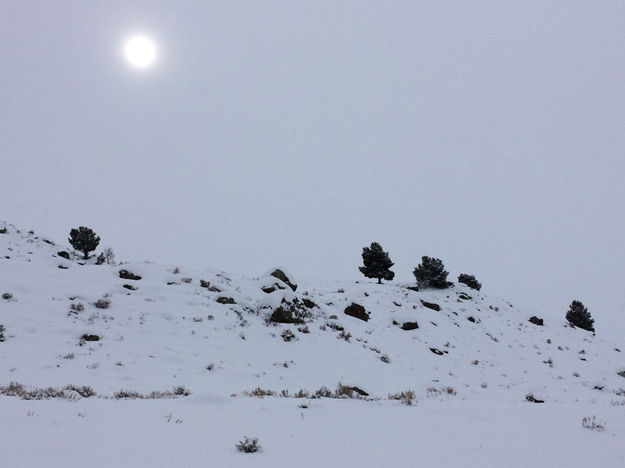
{"points": [[475, 352]]}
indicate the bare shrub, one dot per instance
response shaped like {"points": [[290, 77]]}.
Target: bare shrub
{"points": [[83, 390], [323, 392], [181, 391], [2, 330], [77, 307], [591, 423], [260, 393], [385, 359], [7, 296], [102, 303], [248, 445], [344, 336], [186, 280], [287, 335], [19, 390], [407, 397]]}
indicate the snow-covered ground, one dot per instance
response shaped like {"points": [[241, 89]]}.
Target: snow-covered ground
{"points": [[470, 364]]}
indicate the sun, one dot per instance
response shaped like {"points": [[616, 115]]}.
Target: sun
{"points": [[140, 51]]}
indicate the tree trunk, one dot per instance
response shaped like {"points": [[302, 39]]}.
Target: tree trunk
{"points": [[379, 280], [86, 255]]}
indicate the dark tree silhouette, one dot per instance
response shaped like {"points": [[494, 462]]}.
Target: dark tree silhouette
{"points": [[579, 316], [84, 240], [431, 273], [376, 263]]}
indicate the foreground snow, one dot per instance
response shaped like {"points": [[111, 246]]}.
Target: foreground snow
{"points": [[202, 431], [471, 366]]}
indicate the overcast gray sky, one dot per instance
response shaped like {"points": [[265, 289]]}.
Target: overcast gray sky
{"points": [[487, 133]]}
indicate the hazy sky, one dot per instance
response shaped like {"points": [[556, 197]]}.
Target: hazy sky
{"points": [[487, 133]]}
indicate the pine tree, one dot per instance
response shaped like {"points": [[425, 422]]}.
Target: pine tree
{"points": [[431, 273], [470, 280], [579, 316], [84, 240], [376, 263]]}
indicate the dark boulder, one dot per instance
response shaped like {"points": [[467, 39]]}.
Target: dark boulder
{"points": [[281, 275], [535, 320], [357, 311], [63, 254], [431, 305], [125, 274], [410, 326], [226, 300]]}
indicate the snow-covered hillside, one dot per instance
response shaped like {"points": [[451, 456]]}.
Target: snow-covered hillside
{"points": [[178, 330]]}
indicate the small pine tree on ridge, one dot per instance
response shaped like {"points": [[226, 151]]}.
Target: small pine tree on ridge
{"points": [[84, 240], [579, 317], [376, 263], [431, 273]]}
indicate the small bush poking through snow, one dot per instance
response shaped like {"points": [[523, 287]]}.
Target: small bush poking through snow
{"points": [[248, 445], [406, 397], [102, 303], [7, 296], [259, 392], [2, 330], [592, 424], [181, 391], [287, 335]]}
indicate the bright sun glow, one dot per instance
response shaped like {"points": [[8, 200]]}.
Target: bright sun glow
{"points": [[140, 51]]}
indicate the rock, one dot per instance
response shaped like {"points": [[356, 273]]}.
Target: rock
{"points": [[129, 286], [63, 254], [87, 337], [226, 300], [436, 351], [281, 275], [535, 320], [125, 274], [532, 399], [62, 267], [464, 296], [290, 312], [308, 303], [470, 318], [413, 288], [205, 284], [431, 305], [271, 288], [357, 311], [410, 326]]}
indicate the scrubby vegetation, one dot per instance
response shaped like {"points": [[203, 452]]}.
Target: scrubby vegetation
{"points": [[470, 281]]}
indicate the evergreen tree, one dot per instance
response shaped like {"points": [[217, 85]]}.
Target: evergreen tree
{"points": [[470, 281], [376, 263], [84, 240], [579, 316], [431, 273]]}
